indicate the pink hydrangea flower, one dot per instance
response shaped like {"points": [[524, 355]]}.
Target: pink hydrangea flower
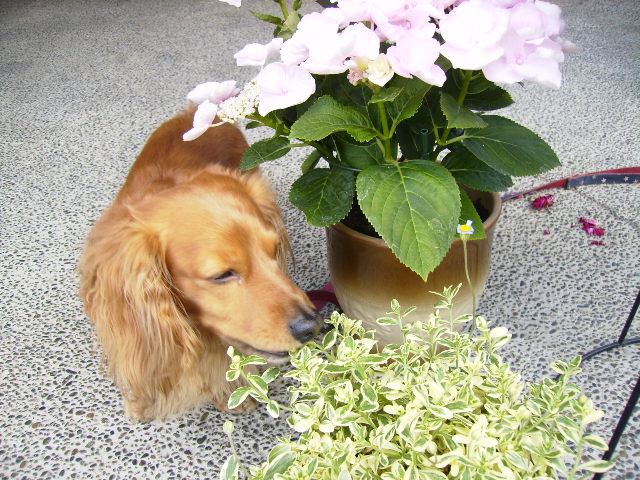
{"points": [[417, 20], [472, 33], [543, 202], [202, 120], [314, 30], [215, 92], [532, 46], [256, 54], [282, 86], [319, 47], [415, 56]]}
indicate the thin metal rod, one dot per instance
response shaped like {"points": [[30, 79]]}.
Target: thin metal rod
{"points": [[610, 346], [635, 393], [622, 423], [632, 315]]}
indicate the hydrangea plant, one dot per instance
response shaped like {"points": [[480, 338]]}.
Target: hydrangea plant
{"points": [[396, 96], [440, 405]]}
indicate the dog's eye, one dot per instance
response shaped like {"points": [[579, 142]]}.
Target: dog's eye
{"points": [[224, 277]]}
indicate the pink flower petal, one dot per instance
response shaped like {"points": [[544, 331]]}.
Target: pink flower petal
{"points": [[587, 223], [202, 120], [543, 202], [282, 86]]}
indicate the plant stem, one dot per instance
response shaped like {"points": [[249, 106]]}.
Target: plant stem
{"points": [[235, 454], [386, 140], [466, 271], [267, 122], [578, 460], [283, 7], [468, 76]]}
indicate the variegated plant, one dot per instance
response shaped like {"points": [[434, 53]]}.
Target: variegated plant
{"points": [[440, 406]]}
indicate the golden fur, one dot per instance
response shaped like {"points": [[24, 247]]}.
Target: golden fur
{"points": [[189, 259]]}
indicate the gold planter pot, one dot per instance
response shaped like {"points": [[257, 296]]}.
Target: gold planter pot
{"points": [[366, 275]]}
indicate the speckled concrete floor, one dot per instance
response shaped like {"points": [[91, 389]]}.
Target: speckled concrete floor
{"points": [[83, 83]]}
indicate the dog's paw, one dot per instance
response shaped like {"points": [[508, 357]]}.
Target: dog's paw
{"points": [[248, 406]]}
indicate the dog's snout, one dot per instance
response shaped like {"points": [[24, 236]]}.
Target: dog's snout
{"points": [[305, 326]]}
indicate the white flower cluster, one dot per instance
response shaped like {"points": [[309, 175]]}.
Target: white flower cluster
{"points": [[242, 105]]}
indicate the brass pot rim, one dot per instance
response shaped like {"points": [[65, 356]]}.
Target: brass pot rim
{"points": [[488, 223]]}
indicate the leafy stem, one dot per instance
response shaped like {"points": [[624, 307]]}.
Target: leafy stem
{"points": [[283, 7], [466, 81], [385, 141], [263, 397]]}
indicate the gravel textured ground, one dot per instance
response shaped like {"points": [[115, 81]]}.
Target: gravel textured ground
{"points": [[83, 84]]}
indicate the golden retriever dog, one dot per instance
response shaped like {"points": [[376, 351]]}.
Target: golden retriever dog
{"points": [[189, 259]]}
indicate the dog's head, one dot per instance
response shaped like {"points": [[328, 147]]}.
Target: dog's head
{"points": [[225, 247], [206, 257]]}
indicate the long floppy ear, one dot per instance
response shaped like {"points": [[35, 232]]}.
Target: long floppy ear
{"points": [[127, 293], [265, 199]]}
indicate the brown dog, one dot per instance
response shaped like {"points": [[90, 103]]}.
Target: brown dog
{"points": [[189, 259]]}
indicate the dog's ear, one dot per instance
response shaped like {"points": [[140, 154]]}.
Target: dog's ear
{"points": [[145, 332], [265, 199]]}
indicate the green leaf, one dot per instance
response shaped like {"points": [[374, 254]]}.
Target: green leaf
{"points": [[518, 460], [253, 124], [258, 383], [468, 212], [510, 148], [482, 94], [457, 115], [279, 464], [597, 466], [273, 409], [326, 116], [493, 98], [253, 360], [325, 195], [441, 412], [408, 101], [329, 339], [415, 207], [278, 450], [596, 441], [344, 475], [311, 161], [470, 171], [369, 394], [333, 368], [432, 474], [339, 87], [264, 151], [229, 470], [386, 95], [270, 374], [357, 155], [388, 321], [267, 18], [238, 396], [569, 429]]}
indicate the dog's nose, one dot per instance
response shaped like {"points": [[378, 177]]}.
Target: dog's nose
{"points": [[305, 326]]}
